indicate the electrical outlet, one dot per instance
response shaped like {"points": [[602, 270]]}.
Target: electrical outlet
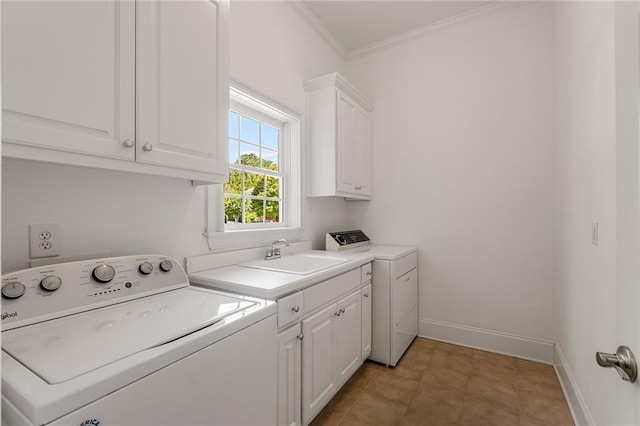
{"points": [[44, 240]]}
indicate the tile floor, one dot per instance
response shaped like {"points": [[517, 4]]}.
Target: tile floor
{"points": [[440, 384]]}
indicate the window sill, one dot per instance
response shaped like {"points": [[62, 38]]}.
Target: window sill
{"points": [[247, 238]]}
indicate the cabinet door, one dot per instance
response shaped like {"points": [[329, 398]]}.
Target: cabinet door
{"points": [[68, 72], [366, 321], [318, 355], [363, 127], [348, 336], [348, 170], [289, 370], [183, 85]]}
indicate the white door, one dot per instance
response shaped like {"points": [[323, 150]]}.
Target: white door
{"points": [[289, 370], [348, 156], [318, 360], [366, 321], [68, 75], [348, 336], [628, 203], [182, 84]]}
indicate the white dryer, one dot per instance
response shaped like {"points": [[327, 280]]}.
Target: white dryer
{"points": [[394, 300], [127, 341]]}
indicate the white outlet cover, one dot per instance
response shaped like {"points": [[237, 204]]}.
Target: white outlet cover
{"points": [[42, 236]]}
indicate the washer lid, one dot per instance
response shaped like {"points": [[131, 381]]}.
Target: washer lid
{"points": [[63, 349]]}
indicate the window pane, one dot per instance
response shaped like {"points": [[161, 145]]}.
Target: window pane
{"points": [[249, 130], [233, 151], [254, 211], [249, 155], [232, 209], [273, 211], [269, 159], [234, 185], [233, 124], [270, 136], [273, 187], [253, 184]]}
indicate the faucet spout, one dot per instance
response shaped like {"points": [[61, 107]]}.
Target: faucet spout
{"points": [[274, 252]]}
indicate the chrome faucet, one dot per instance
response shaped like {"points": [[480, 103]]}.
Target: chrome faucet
{"points": [[274, 252]]}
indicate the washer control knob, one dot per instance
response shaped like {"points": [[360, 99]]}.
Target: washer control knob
{"points": [[145, 268], [13, 290], [166, 265], [340, 239], [104, 273], [50, 283]]}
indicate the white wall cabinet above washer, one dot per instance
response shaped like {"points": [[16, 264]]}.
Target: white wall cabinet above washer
{"points": [[122, 85], [339, 127]]}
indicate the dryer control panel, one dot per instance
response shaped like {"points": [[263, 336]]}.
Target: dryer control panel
{"points": [[52, 291], [343, 240]]}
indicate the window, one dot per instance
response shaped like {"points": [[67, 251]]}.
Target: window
{"points": [[254, 193], [263, 192]]}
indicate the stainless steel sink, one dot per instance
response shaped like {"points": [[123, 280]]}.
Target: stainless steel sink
{"points": [[300, 263]]}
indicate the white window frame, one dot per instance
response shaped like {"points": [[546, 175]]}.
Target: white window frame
{"points": [[220, 236]]}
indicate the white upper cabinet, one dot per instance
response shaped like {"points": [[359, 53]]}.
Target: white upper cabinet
{"points": [[339, 134], [123, 85]]}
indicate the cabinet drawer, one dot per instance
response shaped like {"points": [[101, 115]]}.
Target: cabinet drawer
{"points": [[319, 294], [290, 309], [365, 272], [406, 294], [404, 264]]}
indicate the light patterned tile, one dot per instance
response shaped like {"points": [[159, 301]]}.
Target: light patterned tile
{"points": [[523, 365], [392, 386], [345, 398], [364, 375], [434, 405], [327, 418], [541, 384], [492, 371], [445, 377]]}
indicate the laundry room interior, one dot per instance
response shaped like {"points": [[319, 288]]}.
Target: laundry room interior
{"points": [[501, 151]]}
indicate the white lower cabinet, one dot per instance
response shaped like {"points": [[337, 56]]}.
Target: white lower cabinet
{"points": [[319, 354], [366, 321], [289, 369], [331, 352]]}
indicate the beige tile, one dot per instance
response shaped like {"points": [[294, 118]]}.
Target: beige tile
{"points": [[434, 406], [542, 384], [374, 410], [445, 377], [461, 362], [522, 365], [546, 409], [327, 418], [364, 375], [422, 344], [345, 398], [494, 392], [504, 361], [393, 387], [494, 371], [411, 365], [530, 421], [447, 347], [478, 412]]}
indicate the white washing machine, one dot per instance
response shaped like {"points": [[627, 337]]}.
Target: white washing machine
{"points": [[394, 300], [127, 341]]}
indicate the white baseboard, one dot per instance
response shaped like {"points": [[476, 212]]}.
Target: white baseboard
{"points": [[579, 411], [492, 341]]}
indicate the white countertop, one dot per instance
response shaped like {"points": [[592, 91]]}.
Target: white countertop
{"points": [[272, 285]]}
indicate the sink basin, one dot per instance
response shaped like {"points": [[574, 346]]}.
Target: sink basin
{"points": [[301, 264]]}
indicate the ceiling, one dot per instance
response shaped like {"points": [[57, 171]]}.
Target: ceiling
{"points": [[358, 25]]}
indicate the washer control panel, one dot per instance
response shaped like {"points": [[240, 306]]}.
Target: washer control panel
{"points": [[343, 240], [47, 292]]}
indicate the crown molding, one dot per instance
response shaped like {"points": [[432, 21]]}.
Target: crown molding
{"points": [[312, 20], [435, 27]]}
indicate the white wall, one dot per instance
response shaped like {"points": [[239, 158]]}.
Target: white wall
{"points": [[272, 51], [597, 180], [463, 169]]}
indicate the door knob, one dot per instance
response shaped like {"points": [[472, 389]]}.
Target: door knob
{"points": [[623, 361]]}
